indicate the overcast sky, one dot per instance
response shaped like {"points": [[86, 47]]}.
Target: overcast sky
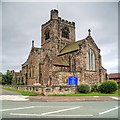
{"points": [[21, 23]]}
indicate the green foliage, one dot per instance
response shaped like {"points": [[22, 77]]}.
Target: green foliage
{"points": [[109, 86], [94, 88], [0, 78], [118, 86], [20, 83], [84, 88], [7, 78]]}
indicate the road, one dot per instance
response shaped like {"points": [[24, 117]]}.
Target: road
{"points": [[106, 109], [24, 108]]}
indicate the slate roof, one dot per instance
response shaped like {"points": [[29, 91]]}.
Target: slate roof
{"points": [[60, 61], [114, 75], [71, 47]]}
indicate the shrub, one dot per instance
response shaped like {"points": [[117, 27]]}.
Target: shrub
{"points": [[109, 86], [118, 86], [94, 88], [84, 88], [20, 83]]}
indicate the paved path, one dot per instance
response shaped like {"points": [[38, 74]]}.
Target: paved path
{"points": [[71, 98], [55, 99], [12, 96]]}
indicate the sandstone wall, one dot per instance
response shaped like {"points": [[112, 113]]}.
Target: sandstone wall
{"points": [[45, 90]]}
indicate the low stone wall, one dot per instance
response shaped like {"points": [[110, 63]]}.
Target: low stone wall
{"points": [[44, 90]]}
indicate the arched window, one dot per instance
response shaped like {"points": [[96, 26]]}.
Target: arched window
{"points": [[90, 60], [47, 34], [65, 32]]}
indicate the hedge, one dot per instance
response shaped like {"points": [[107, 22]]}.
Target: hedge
{"points": [[84, 88], [109, 86]]}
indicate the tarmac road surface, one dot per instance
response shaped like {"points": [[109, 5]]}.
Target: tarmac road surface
{"points": [[88, 109]]}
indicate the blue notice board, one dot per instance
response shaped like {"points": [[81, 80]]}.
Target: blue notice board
{"points": [[72, 80]]}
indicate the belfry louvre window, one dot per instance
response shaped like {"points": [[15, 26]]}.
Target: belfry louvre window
{"points": [[65, 32], [90, 60], [47, 34]]}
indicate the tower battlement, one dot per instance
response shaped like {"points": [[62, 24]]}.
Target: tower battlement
{"points": [[67, 22], [54, 16]]}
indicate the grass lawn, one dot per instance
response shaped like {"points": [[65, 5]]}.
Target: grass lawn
{"points": [[87, 94], [24, 93]]}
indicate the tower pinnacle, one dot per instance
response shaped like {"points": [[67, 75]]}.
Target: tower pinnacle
{"points": [[89, 31], [32, 43]]}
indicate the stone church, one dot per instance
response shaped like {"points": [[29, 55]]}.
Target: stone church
{"points": [[61, 56]]}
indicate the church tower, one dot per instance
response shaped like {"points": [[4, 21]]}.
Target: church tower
{"points": [[57, 32]]}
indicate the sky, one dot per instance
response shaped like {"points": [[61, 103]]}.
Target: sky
{"points": [[21, 23]]}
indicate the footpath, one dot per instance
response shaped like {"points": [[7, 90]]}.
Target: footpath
{"points": [[71, 98]]}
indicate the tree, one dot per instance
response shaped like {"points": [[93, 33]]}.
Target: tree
{"points": [[0, 78], [7, 78]]}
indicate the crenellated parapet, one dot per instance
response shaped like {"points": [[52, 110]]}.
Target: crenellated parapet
{"points": [[67, 22], [54, 17]]}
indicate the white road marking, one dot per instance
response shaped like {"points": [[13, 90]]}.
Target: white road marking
{"points": [[14, 97], [35, 107], [71, 115], [59, 111], [116, 98], [42, 114], [109, 110], [25, 114], [57, 106], [49, 115], [18, 108]]}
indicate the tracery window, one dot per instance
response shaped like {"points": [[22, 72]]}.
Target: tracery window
{"points": [[65, 32], [90, 60], [47, 34]]}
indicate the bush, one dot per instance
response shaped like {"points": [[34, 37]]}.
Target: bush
{"points": [[20, 83], [109, 86], [94, 88], [84, 88], [118, 86]]}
